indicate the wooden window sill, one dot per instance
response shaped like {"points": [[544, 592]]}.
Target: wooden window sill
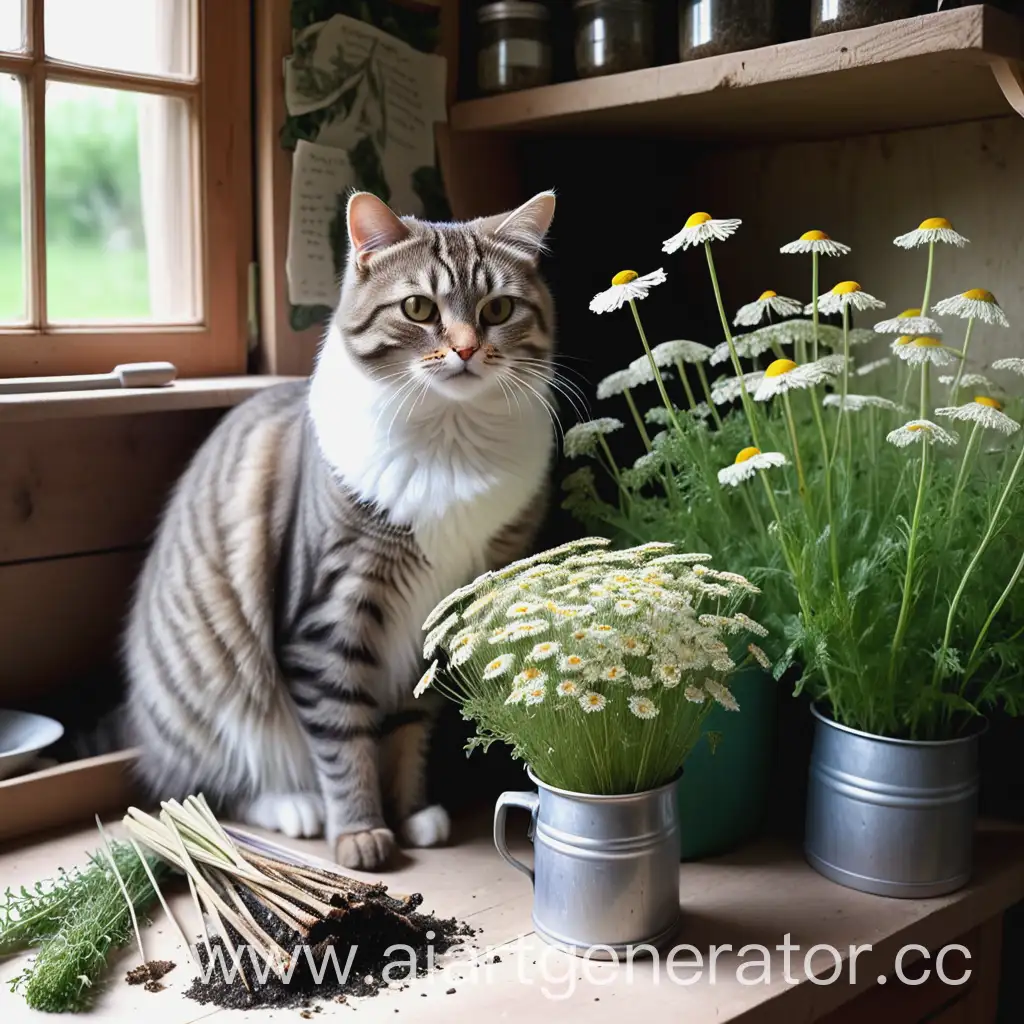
{"points": [[196, 393]]}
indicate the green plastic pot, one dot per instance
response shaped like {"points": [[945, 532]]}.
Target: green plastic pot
{"points": [[722, 795]]}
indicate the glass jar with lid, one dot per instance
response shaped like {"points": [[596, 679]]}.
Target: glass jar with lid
{"points": [[710, 27], [838, 15], [613, 36], [513, 46]]}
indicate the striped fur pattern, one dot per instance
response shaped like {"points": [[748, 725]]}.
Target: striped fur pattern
{"points": [[274, 640]]}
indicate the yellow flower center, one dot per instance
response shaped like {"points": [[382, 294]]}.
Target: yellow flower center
{"points": [[625, 276], [531, 673], [696, 219], [934, 223], [764, 296], [915, 427], [814, 236], [924, 342], [846, 288], [779, 367], [990, 402], [907, 313], [905, 339], [747, 453], [981, 294]]}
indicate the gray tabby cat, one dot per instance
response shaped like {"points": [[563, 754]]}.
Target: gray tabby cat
{"points": [[275, 637]]}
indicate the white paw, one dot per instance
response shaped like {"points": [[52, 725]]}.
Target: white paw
{"points": [[297, 815], [429, 827]]}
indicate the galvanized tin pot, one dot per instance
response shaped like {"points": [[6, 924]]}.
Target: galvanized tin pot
{"points": [[891, 817], [606, 868]]}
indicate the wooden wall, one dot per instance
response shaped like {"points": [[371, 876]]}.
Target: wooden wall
{"points": [[78, 503]]}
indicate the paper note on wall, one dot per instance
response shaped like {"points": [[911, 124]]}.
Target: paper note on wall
{"points": [[321, 180]]}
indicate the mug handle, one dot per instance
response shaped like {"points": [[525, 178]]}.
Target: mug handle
{"points": [[528, 802]]}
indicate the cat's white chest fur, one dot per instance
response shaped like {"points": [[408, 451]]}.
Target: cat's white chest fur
{"points": [[455, 472]]}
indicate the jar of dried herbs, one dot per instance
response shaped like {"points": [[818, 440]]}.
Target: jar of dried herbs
{"points": [[837, 15], [513, 46], [710, 27], [613, 36]]}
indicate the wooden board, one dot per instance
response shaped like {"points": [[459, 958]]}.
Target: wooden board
{"points": [[67, 794], [70, 487], [934, 69], [61, 619]]}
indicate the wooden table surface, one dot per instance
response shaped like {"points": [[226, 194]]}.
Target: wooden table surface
{"points": [[755, 896]]}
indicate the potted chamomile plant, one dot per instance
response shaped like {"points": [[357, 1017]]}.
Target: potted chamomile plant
{"points": [[872, 499], [598, 667]]}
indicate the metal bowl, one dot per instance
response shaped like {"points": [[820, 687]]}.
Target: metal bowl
{"points": [[22, 736]]}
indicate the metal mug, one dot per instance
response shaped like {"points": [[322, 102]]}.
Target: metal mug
{"points": [[606, 868], [891, 817]]}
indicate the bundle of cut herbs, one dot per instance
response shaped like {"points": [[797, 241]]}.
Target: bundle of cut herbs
{"points": [[284, 926]]}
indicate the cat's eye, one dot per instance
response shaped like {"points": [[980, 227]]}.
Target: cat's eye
{"points": [[419, 309], [497, 311]]}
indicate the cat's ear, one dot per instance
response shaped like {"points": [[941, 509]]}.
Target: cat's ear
{"points": [[526, 226], [372, 226]]}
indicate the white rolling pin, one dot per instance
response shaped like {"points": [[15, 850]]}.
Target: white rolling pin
{"points": [[127, 375]]}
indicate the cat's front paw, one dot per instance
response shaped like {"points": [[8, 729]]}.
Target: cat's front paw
{"points": [[297, 815], [365, 851], [429, 827]]}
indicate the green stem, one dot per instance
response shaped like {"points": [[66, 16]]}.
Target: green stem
{"points": [[992, 614], [968, 449], [972, 565], [954, 393], [814, 301], [637, 419], [801, 479], [844, 387], [686, 384], [748, 406], [908, 579], [833, 540], [755, 516], [928, 280], [669, 407], [925, 381], [616, 474], [707, 395]]}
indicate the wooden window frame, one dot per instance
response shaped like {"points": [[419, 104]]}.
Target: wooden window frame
{"points": [[220, 100]]}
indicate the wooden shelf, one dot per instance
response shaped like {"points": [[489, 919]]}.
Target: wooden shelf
{"points": [[197, 393], [934, 69]]}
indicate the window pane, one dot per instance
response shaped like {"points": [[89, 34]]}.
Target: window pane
{"points": [[12, 269], [149, 36], [120, 218], [12, 31]]}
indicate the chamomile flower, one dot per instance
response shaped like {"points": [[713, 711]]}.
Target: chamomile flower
{"points": [[750, 346], [572, 663], [977, 303], [533, 627], [601, 631], [785, 375], [462, 647], [934, 229], [426, 680], [531, 676], [585, 438], [759, 656], [722, 694], [643, 373], [567, 688], [515, 697], [723, 664], [1014, 364], [846, 294], [614, 674], [917, 351], [627, 286], [633, 645], [869, 368], [909, 321], [855, 403], [815, 241], [669, 675], [592, 701], [543, 651], [535, 694], [985, 411], [642, 683], [499, 635], [968, 380], [668, 352], [616, 383], [694, 694], [728, 389], [920, 430], [499, 666], [767, 302], [626, 607], [748, 462], [700, 228], [643, 707], [437, 634], [524, 608]]}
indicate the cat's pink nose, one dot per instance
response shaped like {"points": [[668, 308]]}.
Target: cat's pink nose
{"points": [[465, 354], [463, 340]]}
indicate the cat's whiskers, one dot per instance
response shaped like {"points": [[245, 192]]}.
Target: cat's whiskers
{"points": [[515, 379], [576, 399], [407, 385]]}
